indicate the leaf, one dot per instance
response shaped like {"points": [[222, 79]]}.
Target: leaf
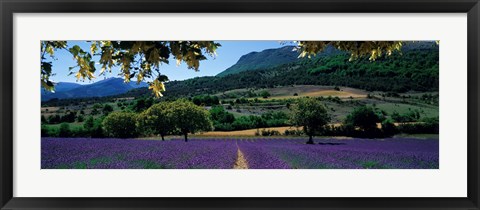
{"points": [[162, 78], [157, 87], [93, 47], [49, 49]]}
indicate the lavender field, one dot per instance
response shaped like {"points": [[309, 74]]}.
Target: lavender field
{"points": [[90, 153]]}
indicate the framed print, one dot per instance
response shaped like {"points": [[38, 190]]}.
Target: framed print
{"points": [[239, 105]]}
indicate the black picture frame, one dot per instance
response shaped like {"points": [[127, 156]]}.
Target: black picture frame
{"points": [[10, 7]]}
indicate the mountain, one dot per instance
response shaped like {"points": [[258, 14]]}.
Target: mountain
{"points": [[106, 87], [65, 86], [270, 58], [263, 59]]}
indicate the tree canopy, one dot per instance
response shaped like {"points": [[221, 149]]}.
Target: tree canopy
{"points": [[190, 118], [120, 125], [312, 115], [158, 119], [363, 117]]}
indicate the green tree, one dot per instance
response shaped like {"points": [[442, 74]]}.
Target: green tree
{"points": [[219, 115], [94, 126], [107, 109], [120, 124], [64, 130], [190, 118], [388, 127], [80, 118], [312, 115], [158, 119], [363, 117], [88, 124], [265, 94], [94, 111]]}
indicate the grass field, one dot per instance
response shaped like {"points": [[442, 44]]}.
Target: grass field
{"points": [[425, 110], [73, 125], [250, 132]]}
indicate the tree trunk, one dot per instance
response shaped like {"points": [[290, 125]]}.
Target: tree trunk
{"points": [[186, 139], [310, 140], [163, 137]]}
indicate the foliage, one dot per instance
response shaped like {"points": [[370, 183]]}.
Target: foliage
{"points": [[363, 117], [93, 127], [275, 118], [48, 48], [411, 116], [248, 122], [69, 117], [265, 94], [222, 119], [293, 132], [205, 100], [430, 125], [141, 104], [372, 49], [158, 120], [190, 118], [312, 115], [388, 127], [64, 130], [268, 132], [120, 125], [107, 109]]}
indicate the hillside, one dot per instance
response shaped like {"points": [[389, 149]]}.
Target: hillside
{"points": [[106, 87], [416, 68], [264, 59], [270, 58]]}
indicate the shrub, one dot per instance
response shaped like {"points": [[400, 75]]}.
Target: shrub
{"points": [[294, 132], [64, 130], [363, 117], [93, 127], [107, 109], [430, 125], [388, 128], [47, 131], [411, 116], [265, 94], [270, 133], [120, 125]]}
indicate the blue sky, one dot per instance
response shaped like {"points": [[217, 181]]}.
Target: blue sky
{"points": [[227, 55]]}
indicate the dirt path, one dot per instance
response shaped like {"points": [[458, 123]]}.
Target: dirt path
{"points": [[241, 162]]}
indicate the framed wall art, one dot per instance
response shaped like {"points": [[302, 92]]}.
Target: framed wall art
{"points": [[239, 104]]}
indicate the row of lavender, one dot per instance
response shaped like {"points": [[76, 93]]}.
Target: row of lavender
{"points": [[342, 154], [222, 154]]}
